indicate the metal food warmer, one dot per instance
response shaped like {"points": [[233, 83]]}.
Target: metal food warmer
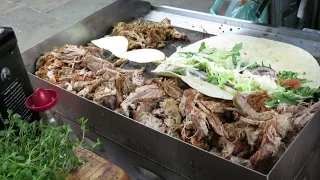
{"points": [[148, 154]]}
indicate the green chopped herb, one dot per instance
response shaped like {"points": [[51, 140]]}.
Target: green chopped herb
{"points": [[304, 81], [235, 53], [32, 151], [253, 66], [237, 48], [202, 46], [213, 80], [234, 59], [306, 91], [293, 96], [287, 75], [181, 72], [283, 97]]}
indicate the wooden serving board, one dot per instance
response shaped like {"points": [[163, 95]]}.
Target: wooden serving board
{"points": [[96, 168]]}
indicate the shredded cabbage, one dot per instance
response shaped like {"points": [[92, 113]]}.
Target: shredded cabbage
{"points": [[224, 69]]}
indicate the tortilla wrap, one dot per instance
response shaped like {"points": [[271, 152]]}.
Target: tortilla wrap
{"points": [[206, 88], [281, 57]]}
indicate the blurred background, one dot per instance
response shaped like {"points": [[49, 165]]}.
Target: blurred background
{"points": [[35, 20], [297, 14]]}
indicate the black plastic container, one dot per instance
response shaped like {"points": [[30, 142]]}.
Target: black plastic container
{"points": [[15, 85]]}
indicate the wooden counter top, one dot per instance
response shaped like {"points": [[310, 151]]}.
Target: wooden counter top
{"points": [[96, 168]]}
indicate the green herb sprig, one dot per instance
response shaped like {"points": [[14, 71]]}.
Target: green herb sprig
{"points": [[293, 96], [38, 151], [289, 75]]}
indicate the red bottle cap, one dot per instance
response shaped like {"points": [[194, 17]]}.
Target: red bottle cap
{"points": [[42, 100]]}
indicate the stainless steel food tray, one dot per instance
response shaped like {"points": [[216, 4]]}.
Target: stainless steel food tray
{"points": [[176, 156]]}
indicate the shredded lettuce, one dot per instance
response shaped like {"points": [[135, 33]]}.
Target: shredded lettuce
{"points": [[226, 59], [227, 70], [220, 79], [201, 66], [224, 67]]}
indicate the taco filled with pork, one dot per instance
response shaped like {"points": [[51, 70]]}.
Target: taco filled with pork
{"points": [[222, 66]]}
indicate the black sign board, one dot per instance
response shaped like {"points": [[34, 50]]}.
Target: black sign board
{"points": [[15, 85]]}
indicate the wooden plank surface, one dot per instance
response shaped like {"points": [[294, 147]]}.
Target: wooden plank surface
{"points": [[96, 168]]}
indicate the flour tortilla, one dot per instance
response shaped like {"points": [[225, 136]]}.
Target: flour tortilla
{"points": [[144, 55], [206, 88], [281, 57], [117, 45]]}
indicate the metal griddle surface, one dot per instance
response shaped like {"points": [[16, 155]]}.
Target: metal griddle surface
{"points": [[169, 49]]}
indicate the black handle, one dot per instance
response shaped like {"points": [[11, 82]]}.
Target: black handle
{"points": [[7, 39]]}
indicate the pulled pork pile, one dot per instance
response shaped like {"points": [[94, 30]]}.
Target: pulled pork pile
{"points": [[243, 130], [85, 72], [231, 129], [145, 34]]}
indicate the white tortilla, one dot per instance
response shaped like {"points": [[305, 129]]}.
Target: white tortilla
{"points": [[281, 57], [144, 55], [117, 45], [206, 88]]}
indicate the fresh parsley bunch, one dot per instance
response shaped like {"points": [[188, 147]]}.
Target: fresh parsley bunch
{"points": [[38, 151]]}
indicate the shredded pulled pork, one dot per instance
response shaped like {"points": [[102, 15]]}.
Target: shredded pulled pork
{"points": [[246, 110], [301, 114], [257, 100], [87, 73], [243, 130], [145, 34]]}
